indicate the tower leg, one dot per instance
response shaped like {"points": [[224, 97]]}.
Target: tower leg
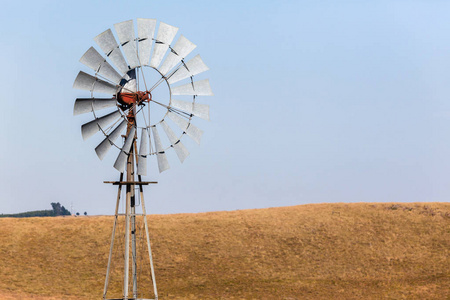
{"points": [[130, 177], [148, 239], [116, 215], [133, 237]]}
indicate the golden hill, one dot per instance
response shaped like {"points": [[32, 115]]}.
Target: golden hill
{"points": [[322, 251]]}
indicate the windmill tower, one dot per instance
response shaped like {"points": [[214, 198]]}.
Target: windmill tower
{"points": [[146, 71]]}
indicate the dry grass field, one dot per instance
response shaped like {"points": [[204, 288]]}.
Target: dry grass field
{"points": [[322, 251]]}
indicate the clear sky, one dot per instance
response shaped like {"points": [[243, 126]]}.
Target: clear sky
{"points": [[315, 101]]}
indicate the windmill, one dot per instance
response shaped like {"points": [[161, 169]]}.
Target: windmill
{"points": [[146, 70]]}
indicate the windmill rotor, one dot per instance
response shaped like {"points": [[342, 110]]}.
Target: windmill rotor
{"points": [[126, 90]]}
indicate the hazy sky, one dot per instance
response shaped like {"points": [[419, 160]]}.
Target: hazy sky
{"points": [[315, 101]]}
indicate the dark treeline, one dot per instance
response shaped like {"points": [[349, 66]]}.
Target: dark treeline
{"points": [[58, 210]]}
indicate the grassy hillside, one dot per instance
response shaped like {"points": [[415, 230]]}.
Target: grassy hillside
{"points": [[323, 251]]}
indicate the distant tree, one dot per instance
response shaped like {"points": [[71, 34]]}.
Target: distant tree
{"points": [[78, 213], [64, 211], [85, 213], [56, 208], [59, 210]]}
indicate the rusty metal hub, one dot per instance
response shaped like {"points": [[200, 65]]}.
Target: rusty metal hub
{"points": [[128, 100], [138, 98]]}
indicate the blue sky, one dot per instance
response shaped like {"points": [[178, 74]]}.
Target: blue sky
{"points": [[315, 101]]}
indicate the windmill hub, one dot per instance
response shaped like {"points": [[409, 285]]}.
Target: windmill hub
{"points": [[138, 98]]}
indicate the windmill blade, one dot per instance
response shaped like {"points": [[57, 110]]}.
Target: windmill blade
{"points": [[146, 31], [108, 44], [180, 149], [181, 49], [187, 127], [143, 152], [165, 36], [193, 67], [85, 105], [91, 128], [130, 85], [121, 160], [96, 62], [196, 109], [103, 148], [87, 82], [198, 88], [125, 32], [163, 164]]}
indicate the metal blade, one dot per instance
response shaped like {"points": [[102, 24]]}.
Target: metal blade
{"points": [[146, 31], [165, 35], [91, 128], [130, 86], [129, 140], [87, 82], [106, 144], [200, 88], [96, 62], [181, 49], [180, 149], [197, 109], [108, 44], [121, 160], [187, 127], [143, 148], [194, 66], [143, 152], [85, 105], [163, 164], [142, 166], [125, 32]]}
